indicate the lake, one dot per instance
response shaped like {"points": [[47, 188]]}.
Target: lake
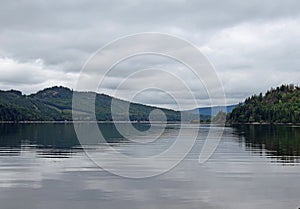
{"points": [[44, 166]]}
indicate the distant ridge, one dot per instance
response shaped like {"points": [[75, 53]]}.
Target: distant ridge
{"points": [[55, 104], [208, 110]]}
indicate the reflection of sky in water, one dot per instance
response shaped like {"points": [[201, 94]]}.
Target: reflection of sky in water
{"points": [[235, 177]]}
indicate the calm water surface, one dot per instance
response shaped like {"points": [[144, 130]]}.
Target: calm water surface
{"points": [[43, 166]]}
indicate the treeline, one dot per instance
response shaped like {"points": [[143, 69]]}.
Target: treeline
{"points": [[279, 105], [17, 107], [55, 104]]}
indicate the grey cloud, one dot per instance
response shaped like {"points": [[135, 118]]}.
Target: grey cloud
{"points": [[243, 39], [51, 30]]}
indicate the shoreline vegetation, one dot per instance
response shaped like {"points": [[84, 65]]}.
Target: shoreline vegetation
{"points": [[279, 106], [145, 122], [74, 122], [55, 104]]}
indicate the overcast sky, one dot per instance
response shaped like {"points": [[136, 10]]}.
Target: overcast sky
{"points": [[253, 45]]}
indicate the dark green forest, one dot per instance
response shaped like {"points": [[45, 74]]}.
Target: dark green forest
{"points": [[278, 105], [55, 104]]}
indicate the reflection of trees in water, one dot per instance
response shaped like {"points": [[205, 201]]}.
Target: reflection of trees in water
{"points": [[49, 139], [281, 143]]}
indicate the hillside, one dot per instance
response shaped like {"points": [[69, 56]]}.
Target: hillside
{"points": [[55, 104], [280, 105], [208, 110], [17, 107]]}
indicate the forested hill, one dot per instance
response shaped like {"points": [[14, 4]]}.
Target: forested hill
{"points": [[55, 104], [280, 105]]}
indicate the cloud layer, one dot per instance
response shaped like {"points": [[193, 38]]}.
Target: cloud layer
{"points": [[252, 44]]}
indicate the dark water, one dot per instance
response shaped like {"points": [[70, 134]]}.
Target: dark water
{"points": [[44, 166]]}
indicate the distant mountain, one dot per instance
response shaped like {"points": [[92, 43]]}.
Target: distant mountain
{"points": [[55, 104], [280, 105], [208, 110]]}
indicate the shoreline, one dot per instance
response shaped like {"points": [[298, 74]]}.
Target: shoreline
{"points": [[143, 122], [73, 122], [264, 123]]}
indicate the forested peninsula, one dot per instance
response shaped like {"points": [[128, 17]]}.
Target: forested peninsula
{"points": [[277, 105]]}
